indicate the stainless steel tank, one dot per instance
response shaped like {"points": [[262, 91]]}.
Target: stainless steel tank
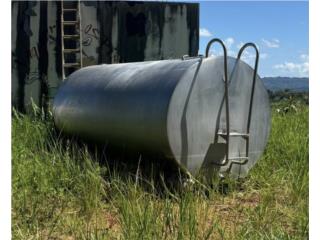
{"points": [[178, 107]]}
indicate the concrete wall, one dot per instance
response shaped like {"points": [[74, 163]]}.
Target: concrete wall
{"points": [[112, 32]]}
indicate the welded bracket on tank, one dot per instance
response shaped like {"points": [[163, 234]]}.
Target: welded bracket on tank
{"points": [[252, 89], [187, 57], [226, 94], [184, 113]]}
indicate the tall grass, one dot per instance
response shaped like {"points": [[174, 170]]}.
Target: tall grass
{"points": [[61, 191]]}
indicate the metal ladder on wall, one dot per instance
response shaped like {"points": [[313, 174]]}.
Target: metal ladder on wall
{"points": [[226, 134], [71, 37]]}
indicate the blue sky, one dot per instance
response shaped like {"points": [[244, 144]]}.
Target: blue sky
{"points": [[280, 29]]}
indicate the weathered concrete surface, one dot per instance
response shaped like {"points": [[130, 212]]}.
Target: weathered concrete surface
{"points": [[54, 67], [112, 32], [14, 70]]}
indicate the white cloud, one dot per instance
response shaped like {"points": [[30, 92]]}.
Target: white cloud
{"points": [[274, 43], [228, 42], [304, 57], [232, 53], [248, 57], [203, 32], [215, 52], [218, 52], [299, 69], [240, 44], [251, 57]]}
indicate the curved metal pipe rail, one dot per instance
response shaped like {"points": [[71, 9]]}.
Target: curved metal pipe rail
{"points": [[249, 44], [254, 76], [227, 135], [226, 93]]}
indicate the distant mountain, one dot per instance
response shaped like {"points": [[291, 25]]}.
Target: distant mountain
{"points": [[293, 84]]}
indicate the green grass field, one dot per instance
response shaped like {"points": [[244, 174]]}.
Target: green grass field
{"points": [[61, 191]]}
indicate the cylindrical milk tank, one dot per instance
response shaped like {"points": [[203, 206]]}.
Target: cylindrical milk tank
{"points": [[173, 106]]}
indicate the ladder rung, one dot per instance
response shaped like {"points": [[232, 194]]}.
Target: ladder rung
{"points": [[238, 158], [70, 65], [71, 36], [70, 9], [69, 23], [71, 50], [234, 134]]}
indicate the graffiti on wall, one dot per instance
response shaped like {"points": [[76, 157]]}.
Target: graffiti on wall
{"points": [[52, 34], [33, 74], [90, 39], [111, 33], [89, 34]]}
